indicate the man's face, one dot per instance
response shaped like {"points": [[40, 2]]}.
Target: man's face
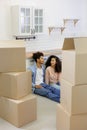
{"points": [[41, 60]]}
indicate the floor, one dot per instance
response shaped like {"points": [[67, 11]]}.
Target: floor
{"points": [[46, 117]]}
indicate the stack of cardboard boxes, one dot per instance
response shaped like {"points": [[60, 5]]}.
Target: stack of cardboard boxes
{"points": [[72, 111], [17, 103]]}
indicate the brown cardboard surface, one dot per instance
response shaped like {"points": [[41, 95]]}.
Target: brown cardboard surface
{"points": [[12, 56], [73, 98], [15, 84], [74, 67], [19, 112], [78, 44], [65, 121]]}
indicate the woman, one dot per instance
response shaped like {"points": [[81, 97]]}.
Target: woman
{"points": [[53, 71]]}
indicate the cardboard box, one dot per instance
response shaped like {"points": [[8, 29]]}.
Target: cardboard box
{"points": [[12, 43], [19, 112], [65, 121], [74, 63], [73, 98], [12, 56], [15, 84]]}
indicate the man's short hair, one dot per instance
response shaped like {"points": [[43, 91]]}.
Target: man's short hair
{"points": [[37, 55]]}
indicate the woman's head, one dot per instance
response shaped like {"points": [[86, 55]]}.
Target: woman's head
{"points": [[55, 62]]}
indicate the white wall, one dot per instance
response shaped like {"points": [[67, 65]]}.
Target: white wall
{"points": [[54, 13]]}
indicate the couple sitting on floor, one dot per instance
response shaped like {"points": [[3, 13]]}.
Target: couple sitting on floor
{"points": [[45, 78]]}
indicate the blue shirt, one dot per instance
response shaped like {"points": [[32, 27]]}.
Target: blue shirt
{"points": [[33, 68]]}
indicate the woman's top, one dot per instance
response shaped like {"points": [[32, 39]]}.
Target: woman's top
{"points": [[51, 76]]}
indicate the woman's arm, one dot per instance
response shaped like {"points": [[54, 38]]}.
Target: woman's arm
{"points": [[47, 76]]}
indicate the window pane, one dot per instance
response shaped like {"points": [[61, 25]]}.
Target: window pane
{"points": [[36, 28], [22, 11], [27, 29], [40, 20], [27, 20], [22, 29], [40, 12], [36, 20], [36, 12], [40, 29], [22, 20], [27, 12]]}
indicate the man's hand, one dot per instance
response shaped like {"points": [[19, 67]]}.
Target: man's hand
{"points": [[38, 86]]}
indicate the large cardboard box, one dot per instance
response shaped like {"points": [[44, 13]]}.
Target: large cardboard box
{"points": [[73, 98], [12, 56], [65, 121], [19, 112], [74, 60], [15, 84], [12, 43]]}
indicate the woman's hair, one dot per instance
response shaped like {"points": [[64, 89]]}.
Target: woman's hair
{"points": [[37, 55], [58, 63]]}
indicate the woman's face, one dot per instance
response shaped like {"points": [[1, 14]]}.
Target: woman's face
{"points": [[53, 62]]}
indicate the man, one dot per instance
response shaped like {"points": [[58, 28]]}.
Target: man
{"points": [[38, 85]]}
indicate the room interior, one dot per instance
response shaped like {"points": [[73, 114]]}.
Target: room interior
{"points": [[61, 19]]}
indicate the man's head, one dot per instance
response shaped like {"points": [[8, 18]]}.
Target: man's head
{"points": [[38, 57]]}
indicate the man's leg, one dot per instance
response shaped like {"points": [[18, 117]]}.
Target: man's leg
{"points": [[53, 93], [55, 85], [41, 91], [53, 97], [52, 89]]}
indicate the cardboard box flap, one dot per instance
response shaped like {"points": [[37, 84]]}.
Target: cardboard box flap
{"points": [[77, 44], [12, 43], [68, 44]]}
